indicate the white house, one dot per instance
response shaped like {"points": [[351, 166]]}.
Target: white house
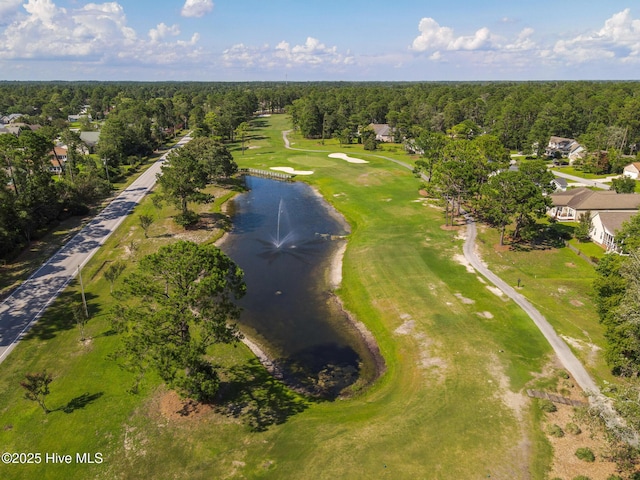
{"points": [[605, 226], [632, 170], [566, 147], [58, 156]]}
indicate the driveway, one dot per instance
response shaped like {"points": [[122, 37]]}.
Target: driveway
{"points": [[27, 303]]}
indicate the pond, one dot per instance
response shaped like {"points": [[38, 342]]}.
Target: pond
{"points": [[286, 237]]}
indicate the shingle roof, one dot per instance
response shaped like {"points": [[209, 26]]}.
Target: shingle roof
{"points": [[584, 199], [612, 221]]}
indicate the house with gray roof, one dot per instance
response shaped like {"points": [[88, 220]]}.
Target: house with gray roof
{"points": [[384, 133], [606, 225], [90, 139]]}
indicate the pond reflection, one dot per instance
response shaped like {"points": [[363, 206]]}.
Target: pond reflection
{"points": [[284, 237]]}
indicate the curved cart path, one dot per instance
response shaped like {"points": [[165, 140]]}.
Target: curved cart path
{"points": [[568, 360], [20, 311], [566, 357]]}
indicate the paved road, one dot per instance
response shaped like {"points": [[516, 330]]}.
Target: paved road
{"points": [[583, 181], [27, 303]]}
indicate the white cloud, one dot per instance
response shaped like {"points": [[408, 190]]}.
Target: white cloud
{"points": [[95, 32], [619, 39], [434, 37], [196, 8], [162, 31], [312, 53], [9, 10]]}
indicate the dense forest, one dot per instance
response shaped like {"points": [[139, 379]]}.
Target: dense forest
{"points": [[134, 119]]}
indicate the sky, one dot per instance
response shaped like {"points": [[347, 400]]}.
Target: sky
{"points": [[329, 40]]}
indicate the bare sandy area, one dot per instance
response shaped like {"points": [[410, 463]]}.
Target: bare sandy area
{"points": [[292, 171], [344, 156]]}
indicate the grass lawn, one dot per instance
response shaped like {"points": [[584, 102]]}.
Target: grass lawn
{"points": [[579, 173], [458, 356]]}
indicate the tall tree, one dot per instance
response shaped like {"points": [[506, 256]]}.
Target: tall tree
{"points": [[431, 146], [182, 178], [182, 301], [506, 197]]}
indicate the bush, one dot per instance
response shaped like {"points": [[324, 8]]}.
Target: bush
{"points": [[573, 429], [581, 477], [187, 219], [614, 477], [547, 406], [585, 454], [555, 431]]}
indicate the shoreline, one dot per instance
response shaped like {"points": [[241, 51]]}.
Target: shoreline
{"points": [[333, 271]]}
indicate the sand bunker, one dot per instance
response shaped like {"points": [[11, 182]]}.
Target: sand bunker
{"points": [[344, 156], [292, 171]]}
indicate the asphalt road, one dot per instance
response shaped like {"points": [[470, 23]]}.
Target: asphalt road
{"points": [[27, 303], [583, 181]]}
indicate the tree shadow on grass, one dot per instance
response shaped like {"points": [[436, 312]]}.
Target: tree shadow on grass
{"points": [[249, 392], [59, 316], [80, 402]]}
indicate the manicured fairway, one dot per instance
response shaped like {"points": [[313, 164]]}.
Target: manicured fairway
{"points": [[449, 405]]}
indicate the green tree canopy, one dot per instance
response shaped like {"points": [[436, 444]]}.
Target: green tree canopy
{"points": [[181, 301]]}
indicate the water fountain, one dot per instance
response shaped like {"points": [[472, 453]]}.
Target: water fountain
{"points": [[288, 308]]}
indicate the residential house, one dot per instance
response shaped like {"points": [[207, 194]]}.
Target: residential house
{"points": [[12, 117], [605, 226], [632, 170], [565, 148], [384, 133], [560, 184], [569, 205], [58, 156], [90, 139]]}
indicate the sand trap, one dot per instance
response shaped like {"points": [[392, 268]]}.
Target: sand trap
{"points": [[344, 156], [292, 171]]}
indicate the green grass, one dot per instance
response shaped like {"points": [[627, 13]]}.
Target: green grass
{"points": [[579, 173], [559, 283], [453, 352]]}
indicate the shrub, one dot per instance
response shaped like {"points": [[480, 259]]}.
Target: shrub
{"points": [[581, 477], [614, 477], [547, 406], [585, 454], [573, 429], [187, 219], [555, 431]]}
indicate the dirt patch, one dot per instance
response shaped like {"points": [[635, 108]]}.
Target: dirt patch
{"points": [[501, 248], [576, 303], [570, 265], [406, 328], [465, 300], [487, 315], [565, 462], [592, 351], [448, 228], [462, 260], [172, 407]]}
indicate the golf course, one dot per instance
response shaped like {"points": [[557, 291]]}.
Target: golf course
{"points": [[450, 401]]}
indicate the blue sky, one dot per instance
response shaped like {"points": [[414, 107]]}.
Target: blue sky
{"points": [[299, 40]]}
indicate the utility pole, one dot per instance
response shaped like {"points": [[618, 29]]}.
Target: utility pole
{"points": [[106, 169], [84, 299]]}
